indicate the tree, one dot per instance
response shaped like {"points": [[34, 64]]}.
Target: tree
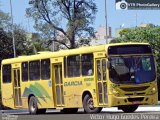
{"points": [[149, 34], [70, 18], [23, 45], [4, 20]]}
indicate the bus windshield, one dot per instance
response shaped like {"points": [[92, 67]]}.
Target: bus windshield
{"points": [[132, 69]]}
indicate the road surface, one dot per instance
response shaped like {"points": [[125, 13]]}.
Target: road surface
{"points": [[142, 113]]}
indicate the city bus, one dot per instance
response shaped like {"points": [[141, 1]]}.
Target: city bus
{"points": [[121, 75]]}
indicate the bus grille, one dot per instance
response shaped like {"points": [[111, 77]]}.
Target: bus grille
{"points": [[143, 93], [135, 99], [130, 89]]}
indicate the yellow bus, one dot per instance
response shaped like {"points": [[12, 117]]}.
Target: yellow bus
{"points": [[121, 75]]}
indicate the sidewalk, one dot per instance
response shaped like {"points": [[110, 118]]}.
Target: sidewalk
{"points": [[140, 109]]}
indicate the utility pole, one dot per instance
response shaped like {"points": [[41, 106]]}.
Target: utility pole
{"points": [[13, 38], [106, 21], [136, 19]]}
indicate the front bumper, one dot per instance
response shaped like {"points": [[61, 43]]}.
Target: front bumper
{"points": [[132, 100]]}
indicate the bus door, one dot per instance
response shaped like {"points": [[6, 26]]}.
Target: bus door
{"points": [[58, 85], [17, 87], [101, 76]]}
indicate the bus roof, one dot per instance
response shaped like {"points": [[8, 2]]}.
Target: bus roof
{"points": [[81, 50]]}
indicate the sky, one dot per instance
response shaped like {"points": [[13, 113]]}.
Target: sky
{"points": [[115, 18]]}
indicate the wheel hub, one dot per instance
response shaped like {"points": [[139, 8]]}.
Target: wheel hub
{"points": [[33, 107], [90, 103]]}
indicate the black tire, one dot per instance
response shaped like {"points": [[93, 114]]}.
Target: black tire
{"points": [[88, 105], [129, 109], [70, 110], [33, 107]]}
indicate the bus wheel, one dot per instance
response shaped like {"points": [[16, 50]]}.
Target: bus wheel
{"points": [[33, 107], [70, 110], [129, 109], [88, 105]]}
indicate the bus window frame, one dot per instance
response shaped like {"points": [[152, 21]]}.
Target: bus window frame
{"points": [[22, 71], [88, 69], [79, 75], [42, 71], [10, 74], [65, 63], [39, 71]]}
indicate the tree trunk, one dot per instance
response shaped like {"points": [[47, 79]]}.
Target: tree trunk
{"points": [[72, 41]]}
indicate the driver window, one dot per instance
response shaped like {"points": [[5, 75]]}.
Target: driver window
{"points": [[119, 65], [146, 64]]}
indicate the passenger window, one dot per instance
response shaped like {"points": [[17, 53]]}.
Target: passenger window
{"points": [[25, 71], [87, 64], [45, 69], [6, 70], [34, 70], [73, 66]]}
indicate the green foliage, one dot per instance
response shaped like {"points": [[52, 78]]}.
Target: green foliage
{"points": [[70, 20], [149, 34], [4, 20], [24, 46], [6, 45]]}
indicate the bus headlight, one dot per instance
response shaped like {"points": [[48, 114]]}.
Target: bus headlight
{"points": [[153, 90]]}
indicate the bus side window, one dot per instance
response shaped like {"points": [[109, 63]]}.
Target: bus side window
{"points": [[6, 71], [73, 66], [87, 64], [34, 70], [45, 69], [25, 71]]}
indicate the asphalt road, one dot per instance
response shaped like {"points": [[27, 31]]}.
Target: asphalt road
{"points": [[143, 113]]}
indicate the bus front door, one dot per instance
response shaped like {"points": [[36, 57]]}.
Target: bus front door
{"points": [[17, 89], [58, 85], [101, 74]]}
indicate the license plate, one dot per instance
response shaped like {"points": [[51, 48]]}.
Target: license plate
{"points": [[136, 102]]}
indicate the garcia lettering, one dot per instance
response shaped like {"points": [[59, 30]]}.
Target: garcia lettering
{"points": [[73, 83]]}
